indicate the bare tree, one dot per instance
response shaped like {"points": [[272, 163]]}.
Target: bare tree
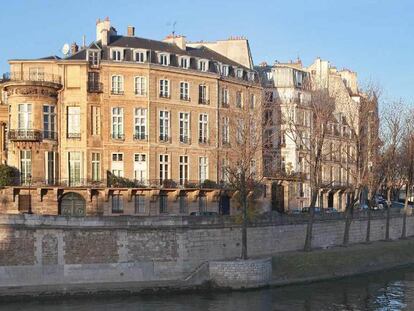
{"points": [[313, 142]]}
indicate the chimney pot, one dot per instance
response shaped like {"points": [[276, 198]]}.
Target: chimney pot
{"points": [[131, 31], [74, 48]]}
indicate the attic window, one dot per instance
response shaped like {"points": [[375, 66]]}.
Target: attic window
{"points": [[164, 59], [239, 73], [93, 57], [251, 76], [225, 70], [203, 65], [184, 62], [140, 56], [117, 54]]}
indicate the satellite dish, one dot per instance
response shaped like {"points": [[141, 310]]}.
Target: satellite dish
{"points": [[65, 49]]}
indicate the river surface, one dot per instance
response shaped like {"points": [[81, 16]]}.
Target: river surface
{"points": [[385, 291]]}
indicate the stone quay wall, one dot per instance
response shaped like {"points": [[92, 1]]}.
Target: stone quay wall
{"points": [[50, 252]]}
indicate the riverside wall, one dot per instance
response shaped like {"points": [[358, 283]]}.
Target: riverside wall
{"points": [[44, 254]]}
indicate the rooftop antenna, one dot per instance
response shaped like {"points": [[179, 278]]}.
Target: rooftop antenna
{"points": [[174, 23], [83, 41]]}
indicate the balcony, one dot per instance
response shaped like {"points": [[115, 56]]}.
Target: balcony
{"points": [[25, 135], [140, 136], [185, 140], [49, 135], [165, 95], [185, 98], [203, 141], [203, 101], [118, 136], [32, 76], [74, 135], [164, 138], [95, 87]]}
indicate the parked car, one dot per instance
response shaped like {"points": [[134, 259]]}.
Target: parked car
{"points": [[331, 210], [306, 209], [203, 214]]}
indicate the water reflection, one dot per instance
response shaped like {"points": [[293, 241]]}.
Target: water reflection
{"points": [[386, 291]]}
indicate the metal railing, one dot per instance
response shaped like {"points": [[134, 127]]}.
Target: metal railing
{"points": [[74, 135], [32, 76], [203, 101], [140, 136], [25, 135], [165, 138], [50, 135], [118, 136], [95, 87], [185, 140]]}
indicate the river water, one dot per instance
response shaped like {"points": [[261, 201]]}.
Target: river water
{"points": [[385, 291]]}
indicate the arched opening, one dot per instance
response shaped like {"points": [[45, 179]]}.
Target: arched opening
{"points": [[72, 204]]}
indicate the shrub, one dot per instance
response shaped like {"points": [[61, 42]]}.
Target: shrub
{"points": [[9, 175]]}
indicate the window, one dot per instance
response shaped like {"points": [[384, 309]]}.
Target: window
{"points": [[239, 99], [184, 91], [183, 170], [73, 126], [96, 120], [117, 203], [25, 166], [25, 116], [164, 59], [117, 55], [239, 73], [225, 131], [252, 101], [117, 123], [96, 166], [164, 125], [203, 128], [165, 88], [224, 173], [140, 167], [251, 76], [183, 202], [163, 203], [184, 127], [117, 165], [93, 58], [203, 65], [140, 85], [50, 167], [36, 74], [140, 56], [49, 119], [140, 124], [202, 168], [94, 86], [139, 203], [75, 166], [202, 94], [164, 169], [117, 85], [184, 62], [224, 97], [240, 131], [225, 70]]}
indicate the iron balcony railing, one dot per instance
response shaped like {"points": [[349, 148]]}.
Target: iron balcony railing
{"points": [[74, 135], [49, 135], [95, 87], [140, 136], [32, 76], [25, 135]]}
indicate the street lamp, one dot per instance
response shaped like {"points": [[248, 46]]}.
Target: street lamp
{"points": [[29, 177]]}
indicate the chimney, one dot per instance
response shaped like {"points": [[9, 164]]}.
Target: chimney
{"points": [[178, 40], [131, 31], [103, 28], [74, 48]]}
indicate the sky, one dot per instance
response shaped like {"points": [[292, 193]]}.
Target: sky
{"points": [[372, 37]]}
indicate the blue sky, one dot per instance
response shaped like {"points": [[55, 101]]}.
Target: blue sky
{"points": [[374, 38]]}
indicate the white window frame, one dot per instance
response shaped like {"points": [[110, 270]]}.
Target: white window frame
{"points": [[25, 120], [117, 122], [203, 65], [184, 60], [117, 84], [140, 85], [203, 128], [225, 70], [26, 157], [140, 167], [183, 169], [49, 127], [140, 123], [203, 94], [143, 52], [224, 96], [161, 57], [73, 122], [164, 88], [202, 169], [94, 61], [239, 73], [50, 180], [119, 52], [96, 120], [226, 130], [164, 125], [164, 166], [117, 166], [96, 166], [184, 124], [184, 90], [72, 165]]}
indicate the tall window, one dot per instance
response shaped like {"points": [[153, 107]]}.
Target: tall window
{"points": [[50, 167], [239, 99], [75, 163], [225, 70], [140, 86], [203, 65], [117, 123], [96, 166], [164, 59], [140, 124], [224, 173], [140, 167], [117, 84], [73, 126], [224, 97], [202, 94], [93, 58], [164, 88], [184, 91], [25, 166], [117, 55], [203, 128], [93, 82], [117, 203], [184, 127], [117, 165], [139, 203], [240, 131], [226, 131], [202, 168], [140, 56], [25, 116], [49, 118], [96, 120], [183, 169], [164, 169], [252, 101], [164, 125]]}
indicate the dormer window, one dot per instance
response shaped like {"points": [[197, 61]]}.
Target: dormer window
{"points": [[164, 59], [203, 65], [117, 54], [251, 76], [93, 57], [184, 62], [269, 75], [239, 73], [225, 70], [140, 56]]}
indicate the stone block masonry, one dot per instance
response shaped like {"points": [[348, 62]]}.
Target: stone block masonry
{"points": [[49, 253]]}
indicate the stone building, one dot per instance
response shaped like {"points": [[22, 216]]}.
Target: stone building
{"points": [[125, 125]]}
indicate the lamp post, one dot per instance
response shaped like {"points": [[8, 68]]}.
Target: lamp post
{"points": [[30, 196]]}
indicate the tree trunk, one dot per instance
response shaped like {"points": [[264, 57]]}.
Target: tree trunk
{"points": [[368, 235], [405, 211], [309, 228], [244, 228], [348, 219], [387, 226]]}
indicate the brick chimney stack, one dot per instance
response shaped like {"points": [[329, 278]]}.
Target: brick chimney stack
{"points": [[131, 31], [74, 48]]}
